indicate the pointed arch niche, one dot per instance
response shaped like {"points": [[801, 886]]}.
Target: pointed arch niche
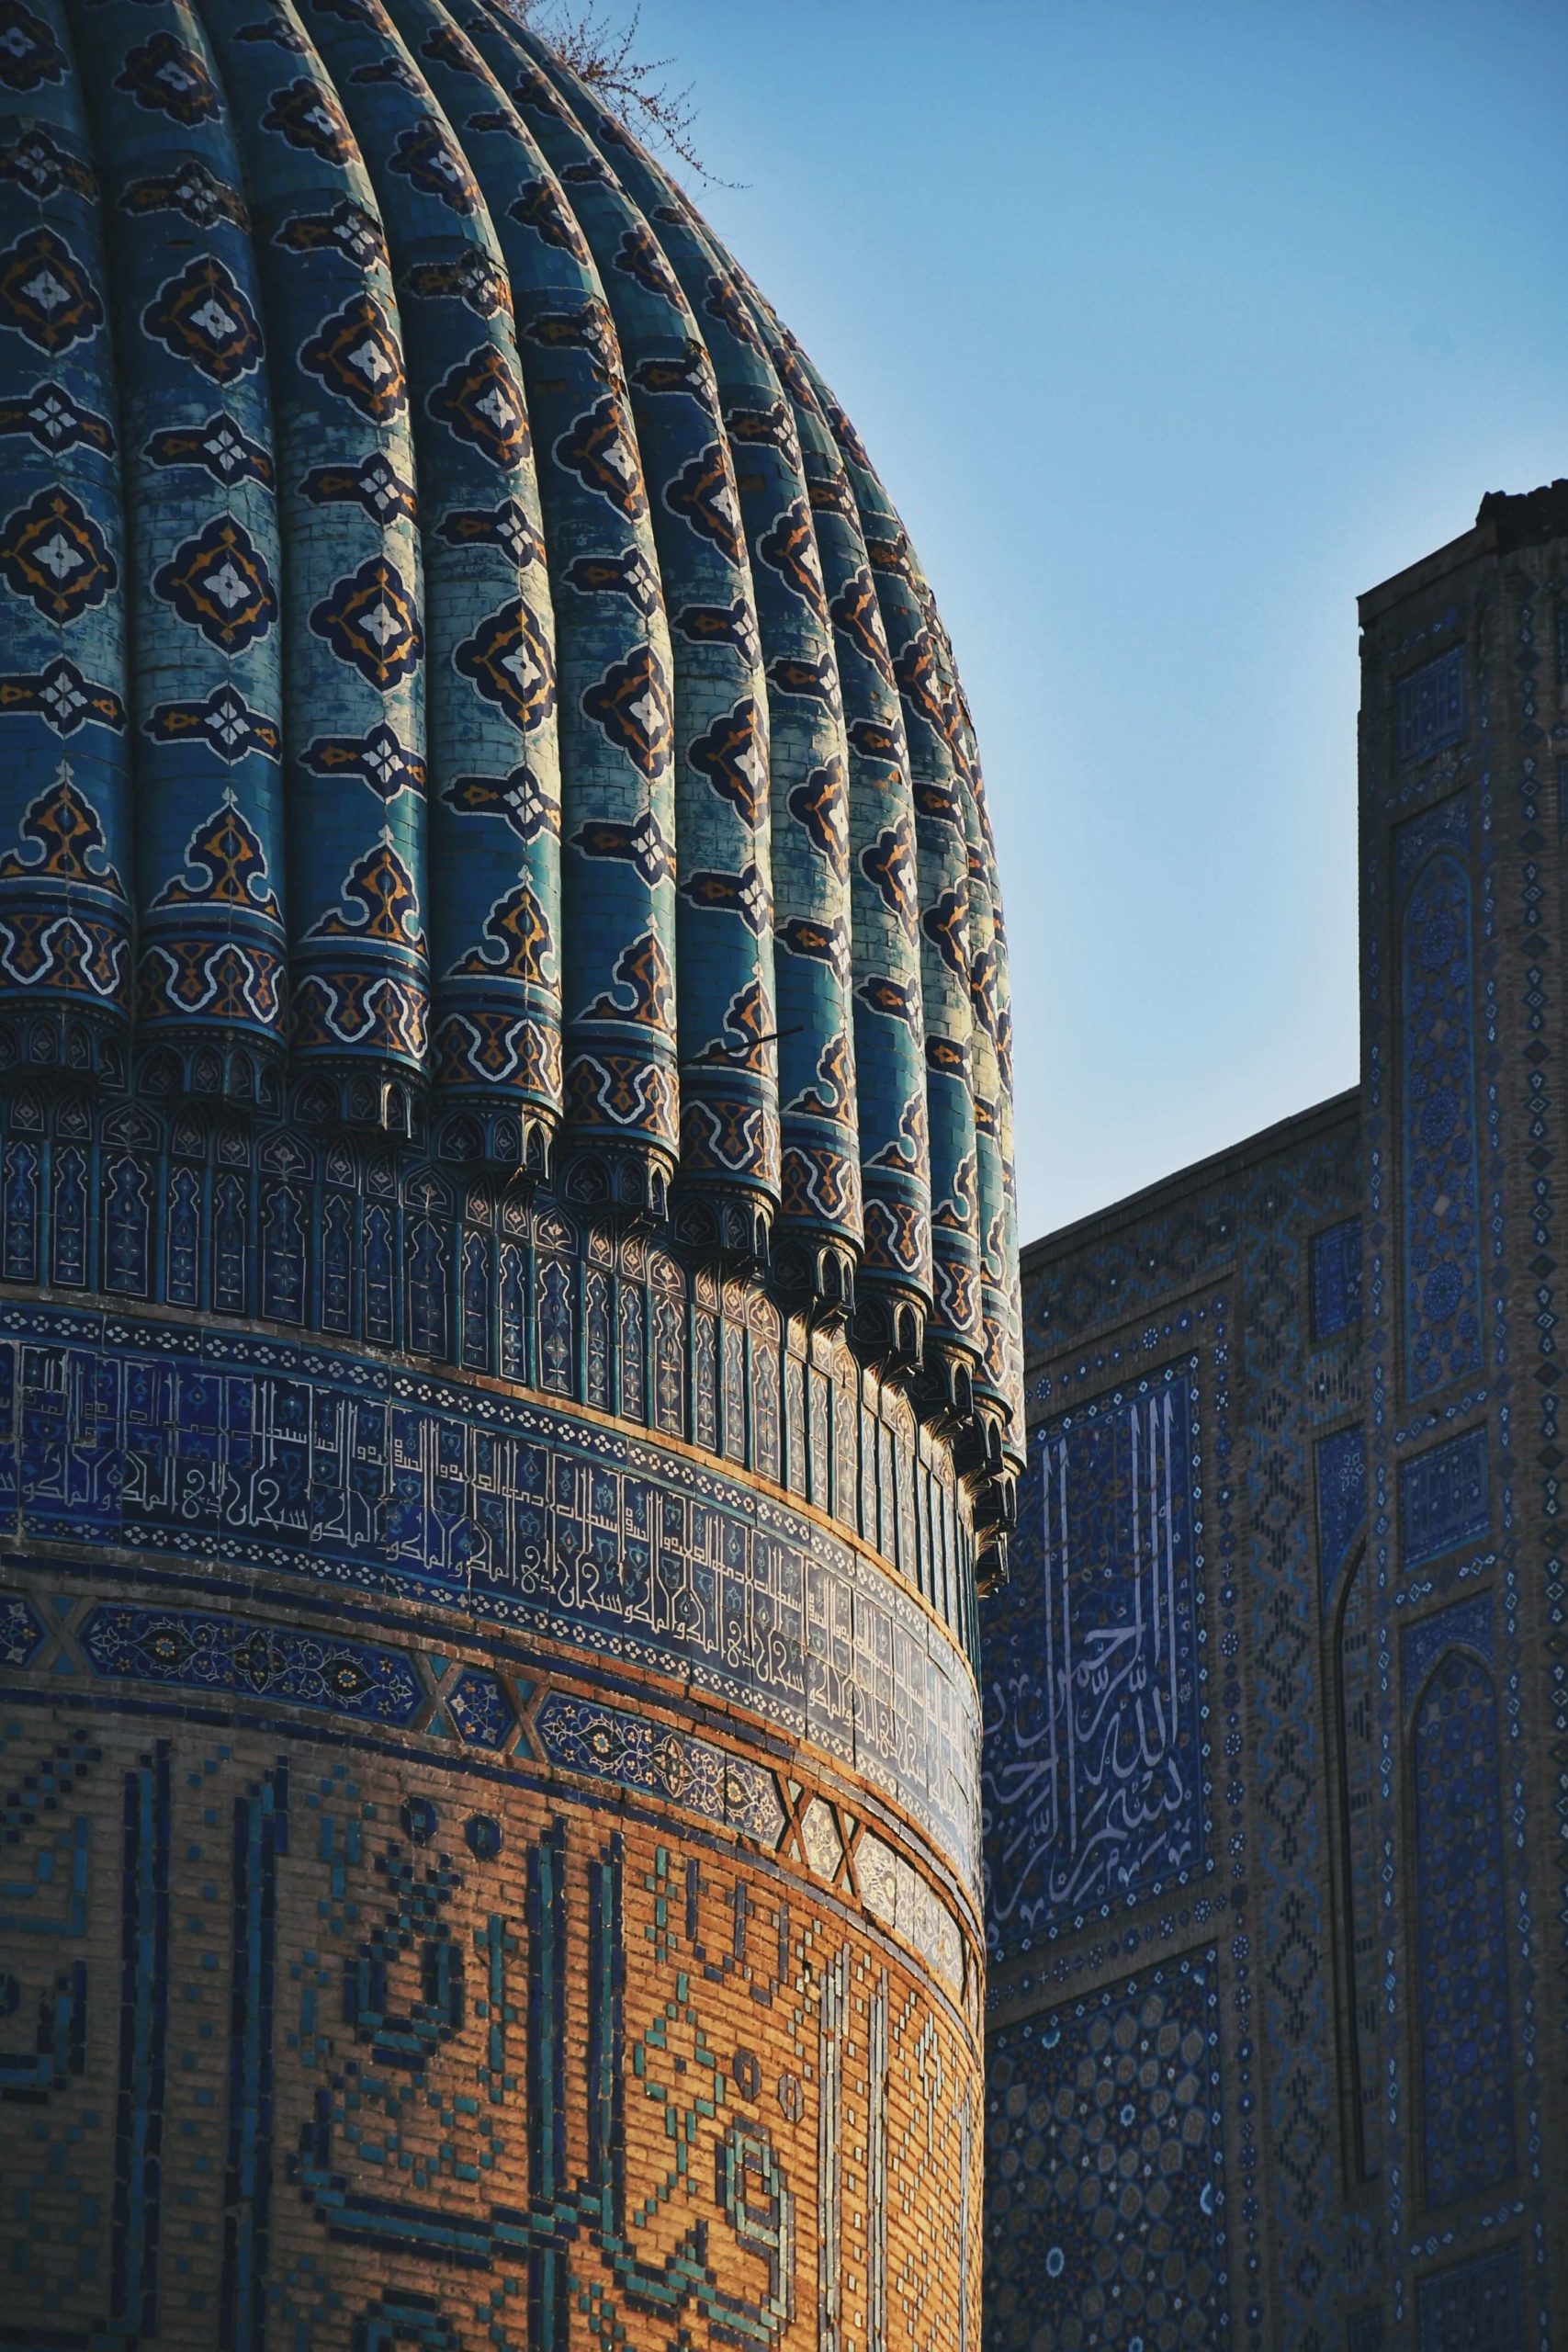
{"points": [[1348, 1681], [1457, 1912]]}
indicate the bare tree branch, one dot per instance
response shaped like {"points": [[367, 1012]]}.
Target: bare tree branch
{"points": [[630, 85]]}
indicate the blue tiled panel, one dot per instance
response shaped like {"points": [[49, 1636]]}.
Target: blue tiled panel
{"points": [[1341, 1500], [480, 1707], [1094, 1774], [1104, 2160], [1444, 1497], [1438, 1134], [1337, 1279], [1429, 706], [20, 1630], [1466, 1622], [1474, 2306], [1462, 1962]]}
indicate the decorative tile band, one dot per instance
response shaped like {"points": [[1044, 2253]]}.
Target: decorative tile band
{"points": [[308, 1462], [161, 1654], [898, 1896], [232, 1656], [124, 1210], [582, 1736]]}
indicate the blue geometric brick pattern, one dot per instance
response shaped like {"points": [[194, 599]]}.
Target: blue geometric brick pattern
{"points": [[1105, 2169], [436, 2097], [1444, 1497]]}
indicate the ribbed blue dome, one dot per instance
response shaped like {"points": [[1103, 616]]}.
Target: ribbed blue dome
{"points": [[459, 675]]}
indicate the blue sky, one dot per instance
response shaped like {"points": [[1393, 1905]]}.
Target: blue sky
{"points": [[1170, 326]]}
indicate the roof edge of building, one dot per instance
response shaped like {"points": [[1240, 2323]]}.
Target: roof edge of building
{"points": [[1504, 521], [1234, 1160]]}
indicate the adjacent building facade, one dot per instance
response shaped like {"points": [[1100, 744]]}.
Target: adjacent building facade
{"points": [[1275, 1709]]}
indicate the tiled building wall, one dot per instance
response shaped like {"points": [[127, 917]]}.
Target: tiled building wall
{"points": [[1275, 1707], [1161, 1840], [1463, 681]]}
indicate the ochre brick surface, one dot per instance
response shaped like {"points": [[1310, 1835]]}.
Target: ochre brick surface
{"points": [[336, 2037]]}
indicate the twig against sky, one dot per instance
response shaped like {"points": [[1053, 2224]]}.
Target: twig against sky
{"points": [[635, 88]]}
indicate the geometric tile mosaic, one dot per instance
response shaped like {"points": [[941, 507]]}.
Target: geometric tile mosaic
{"points": [[1106, 2208]]}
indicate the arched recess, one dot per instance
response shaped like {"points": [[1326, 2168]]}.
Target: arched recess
{"points": [[1354, 1741], [1458, 1933]]}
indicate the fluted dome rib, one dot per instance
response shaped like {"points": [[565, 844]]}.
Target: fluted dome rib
{"points": [[462, 679]]}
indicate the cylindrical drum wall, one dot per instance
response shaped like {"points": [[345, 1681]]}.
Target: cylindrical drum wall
{"points": [[478, 1876]]}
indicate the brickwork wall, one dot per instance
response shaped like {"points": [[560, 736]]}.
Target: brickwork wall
{"points": [[476, 1874], [333, 2041]]}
